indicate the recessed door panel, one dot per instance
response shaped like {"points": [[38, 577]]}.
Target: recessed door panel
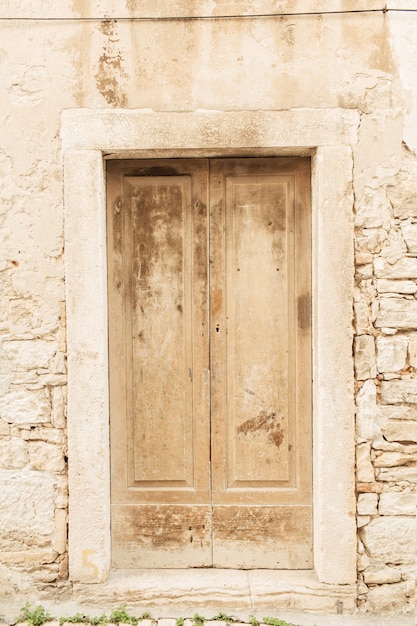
{"points": [[259, 350]]}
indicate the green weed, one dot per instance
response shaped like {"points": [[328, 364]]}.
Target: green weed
{"points": [[78, 618], [275, 621], [37, 616], [198, 620], [120, 615], [102, 620], [222, 617]]}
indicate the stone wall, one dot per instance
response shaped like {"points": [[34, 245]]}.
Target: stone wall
{"points": [[364, 63], [385, 368]]}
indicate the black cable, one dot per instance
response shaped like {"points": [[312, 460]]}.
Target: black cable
{"points": [[189, 18]]}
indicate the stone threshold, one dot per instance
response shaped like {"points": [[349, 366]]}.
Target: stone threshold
{"points": [[219, 589]]}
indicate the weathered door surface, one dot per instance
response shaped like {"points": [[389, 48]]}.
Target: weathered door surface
{"points": [[210, 363]]}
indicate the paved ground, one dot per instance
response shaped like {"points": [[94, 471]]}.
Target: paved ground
{"points": [[168, 618]]}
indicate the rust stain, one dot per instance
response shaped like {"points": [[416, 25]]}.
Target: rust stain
{"points": [[117, 244], [163, 527], [107, 26], [110, 72], [264, 422]]}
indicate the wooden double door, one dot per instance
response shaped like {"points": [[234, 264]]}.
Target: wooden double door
{"points": [[210, 362]]}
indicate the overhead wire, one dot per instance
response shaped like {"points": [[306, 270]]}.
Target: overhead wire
{"points": [[185, 18]]}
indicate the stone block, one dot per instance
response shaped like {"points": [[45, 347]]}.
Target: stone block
{"points": [[397, 474], [32, 317], [382, 576], [362, 588], [363, 258], [363, 320], [408, 573], [53, 379], [29, 355], [412, 349], [389, 539], [399, 392], [373, 209], [405, 267], [365, 366], [50, 435], [363, 562], [367, 411], [364, 469], [60, 542], [26, 507], [63, 566], [396, 503], [369, 487], [394, 446], [397, 313], [393, 459], [364, 272], [46, 457], [404, 432], [58, 407], [388, 598], [367, 504], [6, 372], [399, 412], [388, 331], [362, 520], [409, 233], [370, 241], [60, 365], [396, 286], [23, 406], [13, 453], [167, 621], [403, 193], [28, 556], [61, 491], [391, 353]]}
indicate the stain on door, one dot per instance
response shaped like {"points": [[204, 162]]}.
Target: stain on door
{"points": [[210, 362]]}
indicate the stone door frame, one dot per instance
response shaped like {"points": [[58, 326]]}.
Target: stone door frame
{"points": [[88, 138]]}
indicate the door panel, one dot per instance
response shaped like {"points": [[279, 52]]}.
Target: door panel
{"points": [[261, 416], [206, 476], [267, 537], [160, 445], [159, 369], [259, 324]]}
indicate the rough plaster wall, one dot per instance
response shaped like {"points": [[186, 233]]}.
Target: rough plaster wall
{"points": [[359, 62]]}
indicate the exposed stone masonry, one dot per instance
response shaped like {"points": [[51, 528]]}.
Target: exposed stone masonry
{"points": [[386, 373], [33, 481]]}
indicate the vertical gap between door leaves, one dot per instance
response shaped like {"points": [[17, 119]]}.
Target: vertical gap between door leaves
{"points": [[209, 325]]}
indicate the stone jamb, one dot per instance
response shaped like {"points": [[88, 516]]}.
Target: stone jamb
{"points": [[89, 136]]}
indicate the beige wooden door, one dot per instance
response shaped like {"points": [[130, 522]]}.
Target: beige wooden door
{"points": [[210, 363]]}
